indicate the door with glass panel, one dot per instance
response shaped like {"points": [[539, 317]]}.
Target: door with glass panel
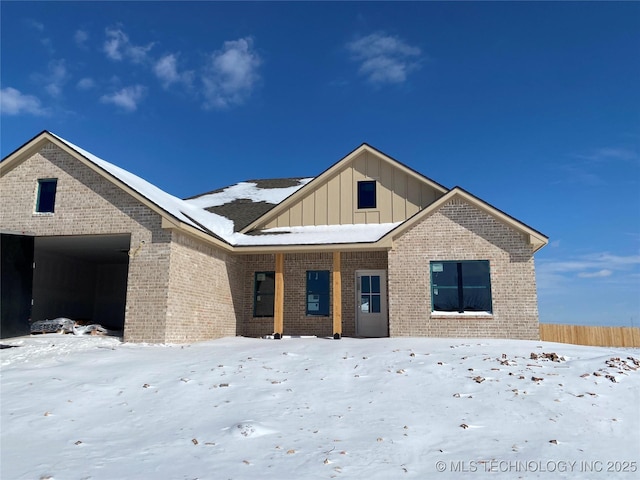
{"points": [[371, 303]]}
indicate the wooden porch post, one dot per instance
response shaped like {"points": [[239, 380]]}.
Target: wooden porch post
{"points": [[337, 297], [278, 307]]}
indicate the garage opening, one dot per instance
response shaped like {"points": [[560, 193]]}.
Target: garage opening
{"points": [[83, 278]]}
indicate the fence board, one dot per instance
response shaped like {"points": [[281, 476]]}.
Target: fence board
{"points": [[586, 335]]}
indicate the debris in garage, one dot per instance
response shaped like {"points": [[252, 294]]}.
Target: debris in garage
{"points": [[57, 325], [93, 329], [66, 325]]}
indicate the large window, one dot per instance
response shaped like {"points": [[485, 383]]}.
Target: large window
{"points": [[318, 292], [367, 194], [461, 286], [46, 200], [263, 294]]}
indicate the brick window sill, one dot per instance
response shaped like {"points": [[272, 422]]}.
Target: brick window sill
{"points": [[461, 316]]}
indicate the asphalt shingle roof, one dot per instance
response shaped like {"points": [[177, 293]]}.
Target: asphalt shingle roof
{"points": [[243, 211]]}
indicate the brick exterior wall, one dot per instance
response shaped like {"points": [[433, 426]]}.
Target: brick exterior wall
{"points": [[459, 231], [86, 204], [204, 291], [296, 322]]}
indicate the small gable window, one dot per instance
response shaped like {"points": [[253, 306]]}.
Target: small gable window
{"points": [[318, 292], [461, 286], [263, 294], [46, 200], [367, 194]]}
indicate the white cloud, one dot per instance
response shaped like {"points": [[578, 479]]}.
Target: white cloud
{"points": [[56, 77], [592, 168], [610, 154], [48, 45], [552, 274], [384, 59], [598, 274], [127, 98], [118, 47], [86, 83], [13, 102], [166, 69], [113, 44], [39, 27], [138, 53], [36, 25], [594, 261], [579, 175], [81, 37], [231, 74]]}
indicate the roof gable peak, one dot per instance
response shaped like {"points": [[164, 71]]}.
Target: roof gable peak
{"points": [[382, 168]]}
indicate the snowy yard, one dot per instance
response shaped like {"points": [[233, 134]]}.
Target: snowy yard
{"points": [[82, 407]]}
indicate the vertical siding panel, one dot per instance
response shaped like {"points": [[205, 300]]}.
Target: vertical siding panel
{"points": [[333, 201], [346, 197], [321, 205], [385, 193], [295, 215], [308, 210], [284, 218], [371, 216], [427, 195], [373, 166], [399, 196], [359, 166], [413, 196]]}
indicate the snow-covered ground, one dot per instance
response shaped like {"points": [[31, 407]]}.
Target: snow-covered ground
{"points": [[82, 407]]}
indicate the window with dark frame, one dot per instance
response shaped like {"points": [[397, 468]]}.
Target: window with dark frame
{"points": [[264, 288], [367, 194], [463, 286], [45, 203], [318, 292]]}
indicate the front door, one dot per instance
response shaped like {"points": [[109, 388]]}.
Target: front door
{"points": [[371, 303]]}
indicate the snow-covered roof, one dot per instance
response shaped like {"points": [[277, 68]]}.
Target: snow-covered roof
{"points": [[199, 211], [245, 202], [250, 190], [184, 211], [317, 234]]}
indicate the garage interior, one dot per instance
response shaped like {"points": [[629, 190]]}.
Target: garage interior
{"points": [[83, 278]]}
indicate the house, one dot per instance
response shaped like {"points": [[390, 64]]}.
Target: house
{"points": [[368, 248]]}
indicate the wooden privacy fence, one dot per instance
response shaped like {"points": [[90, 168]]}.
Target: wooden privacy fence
{"points": [[597, 336]]}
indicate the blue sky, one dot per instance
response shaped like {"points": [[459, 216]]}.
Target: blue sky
{"points": [[533, 107]]}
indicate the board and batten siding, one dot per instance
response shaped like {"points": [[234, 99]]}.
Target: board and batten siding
{"points": [[334, 202]]}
